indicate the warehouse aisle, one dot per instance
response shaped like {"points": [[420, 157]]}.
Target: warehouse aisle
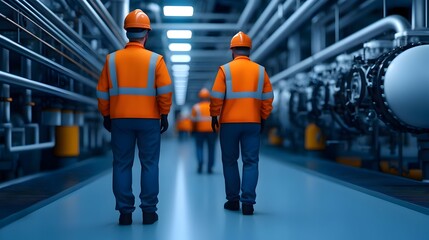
{"points": [[291, 204]]}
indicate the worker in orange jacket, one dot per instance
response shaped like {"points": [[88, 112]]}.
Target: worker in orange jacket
{"points": [[242, 96], [134, 92], [202, 130], [184, 127]]}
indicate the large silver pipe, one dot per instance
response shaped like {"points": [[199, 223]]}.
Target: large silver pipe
{"points": [[273, 22], [247, 13], [289, 26], [394, 22], [107, 17], [11, 45], [119, 9], [272, 6], [100, 24], [34, 85], [50, 22], [418, 14], [156, 9]]}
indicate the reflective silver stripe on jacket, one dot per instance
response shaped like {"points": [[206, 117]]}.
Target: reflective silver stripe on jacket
{"points": [[199, 116], [234, 95], [102, 95], [147, 91]]}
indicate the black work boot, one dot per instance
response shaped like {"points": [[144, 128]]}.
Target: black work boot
{"points": [[125, 219], [247, 209], [149, 217], [200, 168], [232, 205]]}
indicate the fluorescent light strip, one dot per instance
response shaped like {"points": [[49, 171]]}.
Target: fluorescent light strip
{"points": [[178, 11], [180, 58], [179, 34], [180, 67], [181, 47], [178, 74]]}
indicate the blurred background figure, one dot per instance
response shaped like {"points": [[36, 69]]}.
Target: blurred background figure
{"points": [[184, 126], [202, 130]]}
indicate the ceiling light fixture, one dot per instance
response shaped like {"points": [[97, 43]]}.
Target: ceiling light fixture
{"points": [[180, 47], [180, 67], [179, 34], [178, 11], [180, 58]]}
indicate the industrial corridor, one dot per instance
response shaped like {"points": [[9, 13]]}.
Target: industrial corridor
{"points": [[214, 119], [292, 203]]}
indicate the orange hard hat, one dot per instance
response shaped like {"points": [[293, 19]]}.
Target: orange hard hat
{"points": [[204, 93], [137, 19], [241, 40]]}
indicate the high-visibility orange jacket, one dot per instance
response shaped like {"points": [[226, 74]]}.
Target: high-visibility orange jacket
{"points": [[201, 119], [184, 124], [241, 92], [134, 83]]}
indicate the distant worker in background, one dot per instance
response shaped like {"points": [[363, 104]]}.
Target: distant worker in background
{"points": [[202, 130], [134, 92], [184, 126], [242, 96]]}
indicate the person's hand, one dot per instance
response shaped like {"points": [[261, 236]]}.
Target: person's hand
{"points": [[262, 125], [215, 123], [107, 123], [164, 123]]}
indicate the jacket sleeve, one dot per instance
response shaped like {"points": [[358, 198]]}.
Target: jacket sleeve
{"points": [[217, 94], [164, 89], [103, 95], [267, 98]]}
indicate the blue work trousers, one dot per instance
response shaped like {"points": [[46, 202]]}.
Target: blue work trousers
{"points": [[125, 134], [246, 136], [210, 139]]}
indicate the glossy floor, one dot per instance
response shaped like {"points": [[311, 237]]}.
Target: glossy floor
{"points": [[291, 204]]}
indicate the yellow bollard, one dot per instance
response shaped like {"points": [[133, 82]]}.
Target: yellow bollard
{"points": [[314, 139], [66, 141]]}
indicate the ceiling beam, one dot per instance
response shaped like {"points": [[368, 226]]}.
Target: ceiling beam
{"points": [[195, 26]]}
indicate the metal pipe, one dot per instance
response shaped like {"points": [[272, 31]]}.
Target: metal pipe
{"points": [[11, 45], [41, 14], [8, 135], [384, 8], [107, 17], [337, 23], [247, 13], [101, 25], [354, 16], [418, 14], [28, 106], [289, 26], [394, 22], [119, 9], [34, 85], [272, 23], [156, 9], [263, 17], [5, 90], [27, 98]]}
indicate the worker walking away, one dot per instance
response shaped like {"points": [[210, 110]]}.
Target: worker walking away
{"points": [[184, 126], [202, 130], [242, 96], [134, 92]]}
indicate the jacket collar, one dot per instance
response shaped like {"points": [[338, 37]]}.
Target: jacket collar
{"points": [[134, 44], [242, 57]]}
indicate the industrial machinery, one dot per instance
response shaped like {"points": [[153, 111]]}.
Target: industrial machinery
{"points": [[362, 101]]}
